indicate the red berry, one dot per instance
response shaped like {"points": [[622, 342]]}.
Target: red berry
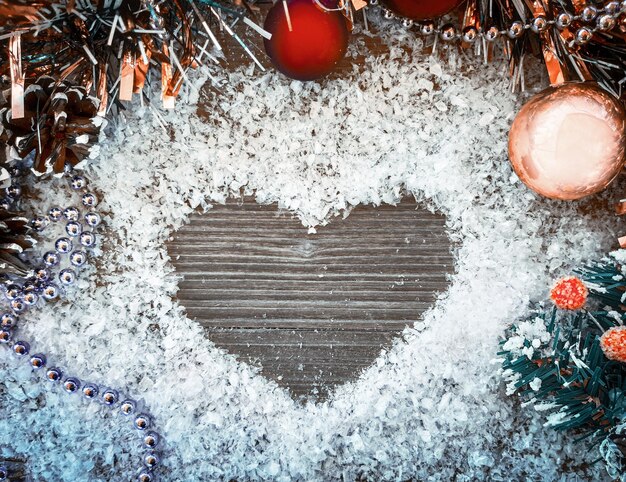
{"points": [[613, 343], [569, 293]]}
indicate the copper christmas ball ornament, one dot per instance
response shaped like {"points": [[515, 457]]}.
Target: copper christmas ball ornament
{"points": [[569, 141], [421, 9]]}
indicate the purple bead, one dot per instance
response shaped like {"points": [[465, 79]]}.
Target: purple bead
{"points": [[50, 292], [78, 258], [88, 239], [71, 385], [51, 258], [73, 228], [55, 214], [92, 219], [127, 407], [142, 422], [89, 200], [71, 214], [38, 361], [63, 245], [78, 182], [7, 321], [109, 397], [67, 276], [13, 292], [21, 348], [54, 374], [90, 391], [151, 440]]}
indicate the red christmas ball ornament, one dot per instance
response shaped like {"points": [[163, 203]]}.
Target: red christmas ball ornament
{"points": [[569, 293], [307, 40], [613, 343], [421, 9]]}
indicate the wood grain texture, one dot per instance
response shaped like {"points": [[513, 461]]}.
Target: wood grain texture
{"points": [[313, 310]]}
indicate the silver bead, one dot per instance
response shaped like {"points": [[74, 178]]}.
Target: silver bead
{"points": [[145, 477], [388, 14], [127, 407], [606, 22], [492, 34], [373, 2], [612, 8], [623, 6], [54, 374], [4, 473], [13, 292], [73, 228], [42, 274], [564, 20], [90, 391], [5, 336], [38, 361], [407, 23], [7, 321], [151, 440], [583, 35], [78, 258], [39, 223], [87, 239], [539, 24], [151, 461], [21, 348], [78, 182], [427, 28], [18, 305], [55, 214], [71, 214], [71, 385], [89, 200], [142, 422], [63, 245], [515, 30], [67, 276], [30, 298], [448, 32], [589, 13], [469, 34], [109, 397], [50, 292], [5, 204], [93, 219], [51, 258]]}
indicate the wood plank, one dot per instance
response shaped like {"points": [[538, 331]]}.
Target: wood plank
{"points": [[312, 310]]}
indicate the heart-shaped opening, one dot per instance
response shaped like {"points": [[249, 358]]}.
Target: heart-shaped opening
{"points": [[311, 310]]}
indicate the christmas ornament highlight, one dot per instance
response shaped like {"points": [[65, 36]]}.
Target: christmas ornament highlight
{"points": [[569, 141], [308, 40], [421, 9]]}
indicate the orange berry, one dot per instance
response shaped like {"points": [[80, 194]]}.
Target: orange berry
{"points": [[613, 343], [569, 293]]}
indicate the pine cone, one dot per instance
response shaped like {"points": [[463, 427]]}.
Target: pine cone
{"points": [[14, 240], [60, 126]]}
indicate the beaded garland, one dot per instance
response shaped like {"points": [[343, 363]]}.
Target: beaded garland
{"points": [[78, 225], [596, 19]]}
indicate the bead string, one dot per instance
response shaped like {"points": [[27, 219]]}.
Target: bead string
{"points": [[598, 20], [40, 284]]}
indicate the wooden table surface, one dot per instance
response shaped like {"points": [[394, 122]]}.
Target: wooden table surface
{"points": [[313, 310]]}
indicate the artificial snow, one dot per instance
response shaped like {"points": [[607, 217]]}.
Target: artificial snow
{"points": [[431, 408]]}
